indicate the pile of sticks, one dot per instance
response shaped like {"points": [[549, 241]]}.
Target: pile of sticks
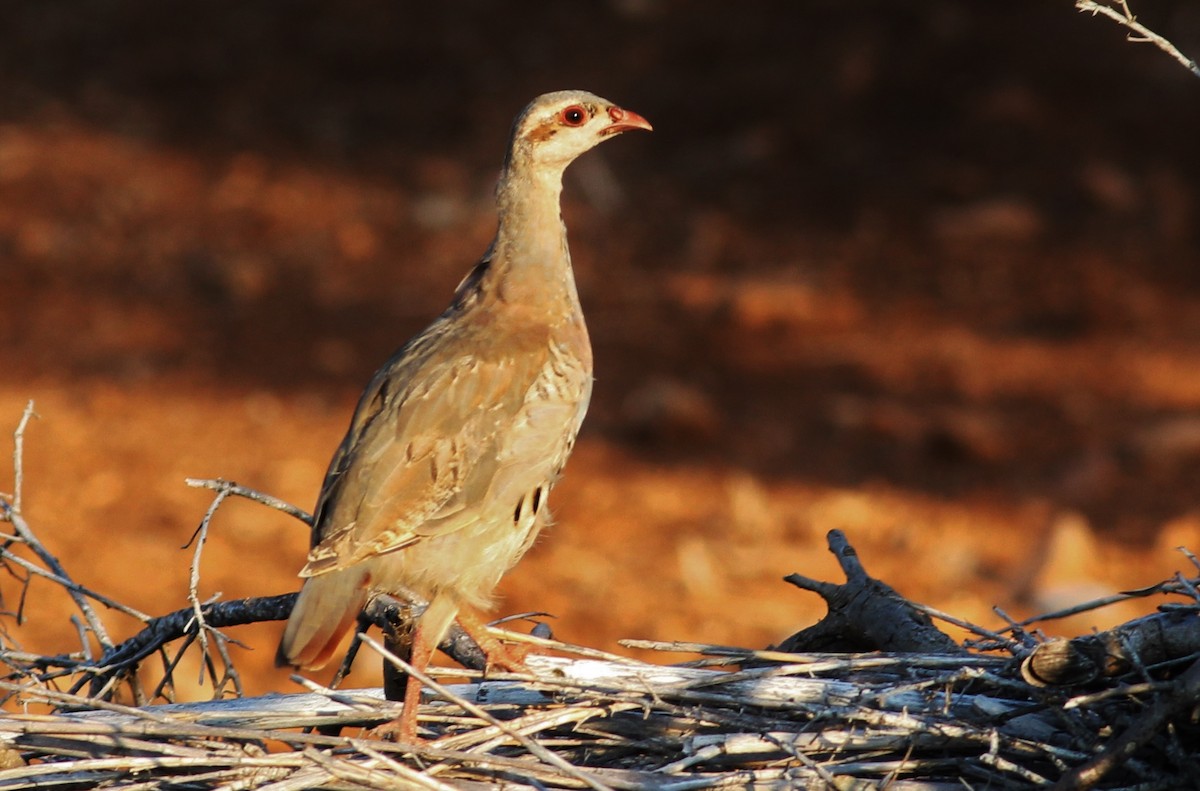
{"points": [[874, 696]]}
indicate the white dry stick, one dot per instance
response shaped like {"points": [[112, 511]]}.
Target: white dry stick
{"points": [[199, 538], [19, 455], [418, 779], [1138, 32], [229, 487], [536, 749]]}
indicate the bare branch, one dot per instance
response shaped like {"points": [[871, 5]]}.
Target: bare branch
{"points": [[203, 630], [229, 487], [199, 538], [1179, 585], [11, 513], [865, 614], [67, 583], [19, 455], [1122, 15]]}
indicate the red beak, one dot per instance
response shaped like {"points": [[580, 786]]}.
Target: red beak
{"points": [[624, 120]]}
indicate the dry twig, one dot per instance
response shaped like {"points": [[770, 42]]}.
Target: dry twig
{"points": [[1119, 12], [11, 513]]}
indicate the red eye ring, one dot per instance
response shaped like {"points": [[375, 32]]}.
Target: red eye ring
{"points": [[575, 115]]}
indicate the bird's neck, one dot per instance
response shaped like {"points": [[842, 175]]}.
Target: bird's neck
{"points": [[530, 262]]}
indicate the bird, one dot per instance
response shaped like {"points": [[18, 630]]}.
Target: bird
{"points": [[440, 484]]}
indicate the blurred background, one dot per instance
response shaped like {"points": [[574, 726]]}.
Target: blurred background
{"points": [[926, 274]]}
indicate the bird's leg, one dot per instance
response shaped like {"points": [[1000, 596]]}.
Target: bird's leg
{"points": [[422, 652], [500, 655], [403, 729], [397, 638], [431, 628]]}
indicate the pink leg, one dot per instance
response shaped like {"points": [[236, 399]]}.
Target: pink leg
{"points": [[431, 628], [422, 652], [499, 654]]}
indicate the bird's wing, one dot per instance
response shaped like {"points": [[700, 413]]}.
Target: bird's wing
{"points": [[433, 433]]}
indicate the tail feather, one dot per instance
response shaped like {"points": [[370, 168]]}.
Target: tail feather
{"points": [[325, 609]]}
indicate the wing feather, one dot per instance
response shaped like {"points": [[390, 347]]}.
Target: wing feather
{"points": [[429, 440]]}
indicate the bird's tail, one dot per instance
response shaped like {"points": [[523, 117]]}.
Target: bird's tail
{"points": [[327, 606]]}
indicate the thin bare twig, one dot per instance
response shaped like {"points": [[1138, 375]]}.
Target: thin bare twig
{"points": [[1119, 12], [223, 489], [1187, 553], [1187, 584], [69, 584], [19, 455], [11, 512], [229, 487], [996, 637], [1180, 585], [198, 538], [230, 673], [203, 628], [399, 770]]}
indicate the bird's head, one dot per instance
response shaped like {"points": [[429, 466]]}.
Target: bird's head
{"points": [[557, 127]]}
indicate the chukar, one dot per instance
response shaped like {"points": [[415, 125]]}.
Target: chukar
{"points": [[440, 484]]}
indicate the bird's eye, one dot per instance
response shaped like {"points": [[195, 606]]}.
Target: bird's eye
{"points": [[574, 115]]}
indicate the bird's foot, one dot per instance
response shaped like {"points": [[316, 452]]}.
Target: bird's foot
{"points": [[403, 729], [398, 731], [506, 657], [499, 655]]}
